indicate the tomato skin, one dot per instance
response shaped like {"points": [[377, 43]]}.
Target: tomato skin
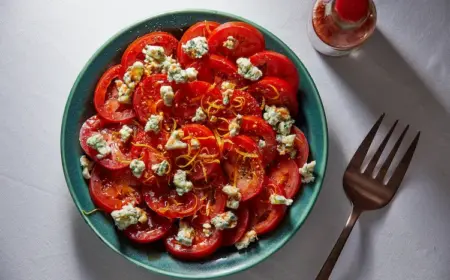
{"points": [[107, 106], [251, 106], [215, 69], [285, 173], [257, 129], [216, 202], [277, 65], [268, 88], [231, 236], [134, 50], [266, 216], [248, 187], [249, 40], [154, 229], [112, 190], [202, 246], [202, 28]]}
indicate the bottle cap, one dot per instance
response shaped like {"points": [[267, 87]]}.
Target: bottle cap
{"points": [[352, 10]]}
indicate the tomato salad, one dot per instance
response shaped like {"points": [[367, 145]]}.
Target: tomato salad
{"points": [[194, 141]]}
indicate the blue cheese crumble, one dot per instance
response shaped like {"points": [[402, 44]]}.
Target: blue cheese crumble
{"points": [[174, 141], [125, 133], [279, 199], [235, 125], [196, 47], [200, 116], [137, 167], [161, 168], [182, 185], [97, 142], [185, 234], [128, 215], [249, 237], [247, 70], [86, 165], [261, 143], [230, 43], [307, 172], [179, 76], [286, 144], [130, 79], [195, 144], [167, 95], [153, 123], [207, 229], [234, 196], [224, 220], [227, 90]]}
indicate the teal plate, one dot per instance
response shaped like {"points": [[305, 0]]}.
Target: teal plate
{"points": [[79, 107]]}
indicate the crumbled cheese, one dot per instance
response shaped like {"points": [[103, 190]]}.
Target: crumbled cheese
{"points": [[174, 141], [97, 142], [227, 85], [200, 116], [307, 172], [195, 144], [185, 234], [154, 53], [230, 43], [227, 90], [235, 125], [86, 164], [125, 133], [191, 74], [153, 123], [167, 95], [166, 64], [279, 199], [285, 144], [213, 119], [182, 185], [250, 236], [234, 196], [207, 229], [247, 70], [281, 121], [130, 79], [137, 167], [224, 220], [175, 73], [261, 143], [128, 215], [196, 47], [161, 168]]}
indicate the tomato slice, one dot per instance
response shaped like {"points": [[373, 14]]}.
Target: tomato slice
{"points": [[202, 245], [285, 173], [215, 68], [266, 216], [212, 202], [242, 163], [248, 40], [301, 146], [106, 94], [277, 65], [258, 129], [112, 190], [243, 103], [201, 162], [120, 152], [168, 203], [276, 91], [134, 50], [154, 229], [231, 236], [202, 28], [147, 99]]}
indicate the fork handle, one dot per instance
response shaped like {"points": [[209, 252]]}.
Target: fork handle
{"points": [[328, 266]]}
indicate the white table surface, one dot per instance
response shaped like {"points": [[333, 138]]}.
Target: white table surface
{"points": [[404, 71]]}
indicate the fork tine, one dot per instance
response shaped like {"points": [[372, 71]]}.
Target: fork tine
{"points": [[360, 154], [377, 155], [402, 167], [387, 163]]}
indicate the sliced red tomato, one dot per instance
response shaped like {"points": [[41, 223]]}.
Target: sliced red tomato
{"points": [[266, 216], [277, 65], [258, 129], [154, 229], [301, 146], [248, 40], [285, 173], [202, 245], [168, 203], [212, 202], [134, 50], [242, 162], [147, 99], [215, 68], [120, 151], [203, 29], [276, 91], [112, 190], [106, 94], [201, 162], [244, 104], [231, 236]]}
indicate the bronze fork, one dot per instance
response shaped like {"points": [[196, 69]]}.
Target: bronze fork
{"points": [[366, 190]]}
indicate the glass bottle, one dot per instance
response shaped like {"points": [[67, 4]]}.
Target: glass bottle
{"points": [[338, 27]]}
